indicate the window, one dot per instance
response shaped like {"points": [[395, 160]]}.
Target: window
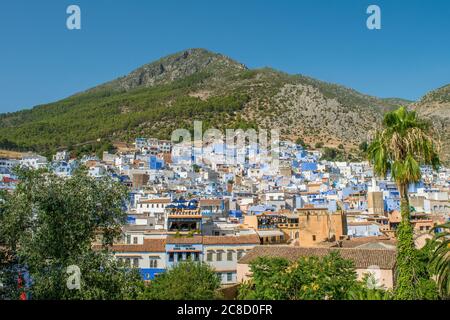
{"points": [[128, 262], [230, 255], [229, 276], [128, 239], [179, 256], [135, 262], [240, 254], [219, 256], [153, 263], [135, 240], [120, 260], [196, 256], [209, 256], [188, 256], [297, 235], [314, 237], [171, 256]]}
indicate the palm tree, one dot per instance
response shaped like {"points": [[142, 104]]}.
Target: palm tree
{"points": [[401, 147], [440, 261]]}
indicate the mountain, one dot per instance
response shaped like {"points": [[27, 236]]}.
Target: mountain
{"points": [[175, 67], [197, 84], [436, 107]]}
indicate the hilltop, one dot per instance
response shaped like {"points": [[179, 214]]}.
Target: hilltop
{"points": [[197, 84], [436, 106]]}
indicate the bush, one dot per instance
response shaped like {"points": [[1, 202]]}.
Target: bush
{"points": [[309, 278], [186, 281], [318, 145]]}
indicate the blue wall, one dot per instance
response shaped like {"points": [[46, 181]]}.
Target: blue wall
{"points": [[149, 274], [156, 163]]}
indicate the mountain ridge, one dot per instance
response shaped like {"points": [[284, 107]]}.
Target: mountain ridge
{"points": [[435, 106], [197, 84]]}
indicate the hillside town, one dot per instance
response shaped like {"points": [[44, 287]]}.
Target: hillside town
{"points": [[227, 215]]}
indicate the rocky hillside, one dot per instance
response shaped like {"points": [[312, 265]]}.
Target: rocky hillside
{"points": [[174, 67], [436, 106], [192, 85]]}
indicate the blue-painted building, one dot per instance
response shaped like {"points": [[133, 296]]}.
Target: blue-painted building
{"points": [[156, 163], [148, 256], [235, 213], [185, 249], [391, 204], [308, 166]]}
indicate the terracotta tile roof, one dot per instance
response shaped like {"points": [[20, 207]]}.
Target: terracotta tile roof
{"points": [[183, 216], [159, 245], [362, 258], [246, 239], [361, 223], [210, 202], [150, 245], [184, 240], [311, 209], [356, 242], [371, 238], [210, 240], [161, 200]]}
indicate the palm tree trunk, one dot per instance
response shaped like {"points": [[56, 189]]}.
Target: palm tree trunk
{"points": [[407, 259], [404, 202]]}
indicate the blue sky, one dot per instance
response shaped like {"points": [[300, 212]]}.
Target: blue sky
{"points": [[42, 61]]}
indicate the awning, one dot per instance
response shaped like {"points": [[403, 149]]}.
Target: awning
{"points": [[127, 256], [271, 233]]}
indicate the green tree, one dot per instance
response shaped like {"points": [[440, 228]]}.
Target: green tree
{"points": [[440, 260], [427, 288], [8, 262], [185, 281], [404, 143], [309, 278], [369, 289], [329, 154], [363, 146], [49, 223], [300, 142]]}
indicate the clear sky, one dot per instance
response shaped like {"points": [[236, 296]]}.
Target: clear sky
{"points": [[42, 61]]}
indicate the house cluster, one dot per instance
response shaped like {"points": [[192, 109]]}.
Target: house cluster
{"points": [[227, 214]]}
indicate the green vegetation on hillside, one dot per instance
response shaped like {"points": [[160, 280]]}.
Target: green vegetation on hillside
{"points": [[150, 111], [195, 84]]}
